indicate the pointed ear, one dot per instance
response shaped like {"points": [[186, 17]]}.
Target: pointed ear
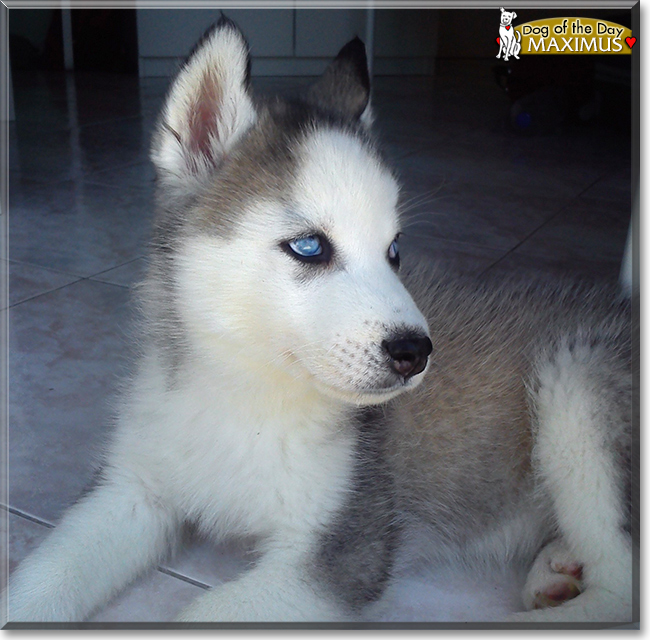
{"points": [[344, 88], [208, 108]]}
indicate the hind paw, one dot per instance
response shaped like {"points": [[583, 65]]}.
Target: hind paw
{"points": [[554, 578], [552, 595]]}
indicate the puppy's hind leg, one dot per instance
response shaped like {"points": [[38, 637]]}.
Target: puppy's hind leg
{"points": [[582, 407], [102, 543]]}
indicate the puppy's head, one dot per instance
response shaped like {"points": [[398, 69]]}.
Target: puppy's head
{"points": [[282, 223]]}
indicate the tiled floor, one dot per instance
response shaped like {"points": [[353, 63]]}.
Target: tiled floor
{"points": [[480, 197]]}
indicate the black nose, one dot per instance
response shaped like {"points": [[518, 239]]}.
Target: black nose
{"points": [[408, 355]]}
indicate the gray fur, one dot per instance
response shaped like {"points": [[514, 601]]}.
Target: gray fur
{"points": [[455, 459], [344, 88], [356, 554], [462, 443]]}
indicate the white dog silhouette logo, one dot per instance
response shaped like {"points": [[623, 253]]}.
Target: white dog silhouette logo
{"points": [[509, 40]]}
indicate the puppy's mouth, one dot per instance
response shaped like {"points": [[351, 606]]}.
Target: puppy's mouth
{"points": [[403, 369], [406, 356], [380, 394], [395, 383]]}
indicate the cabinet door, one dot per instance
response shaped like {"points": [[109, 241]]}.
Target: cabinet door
{"points": [[170, 33], [322, 32]]}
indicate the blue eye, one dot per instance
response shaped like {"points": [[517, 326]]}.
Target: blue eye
{"points": [[308, 247], [393, 253]]}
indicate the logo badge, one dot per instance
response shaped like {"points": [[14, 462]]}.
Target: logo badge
{"points": [[550, 36], [509, 40]]}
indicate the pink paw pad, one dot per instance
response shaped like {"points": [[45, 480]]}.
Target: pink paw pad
{"points": [[573, 569], [556, 594], [565, 588]]}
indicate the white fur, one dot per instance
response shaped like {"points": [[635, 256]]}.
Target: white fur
{"points": [[272, 464], [243, 301], [220, 63], [571, 451], [274, 591], [101, 544]]}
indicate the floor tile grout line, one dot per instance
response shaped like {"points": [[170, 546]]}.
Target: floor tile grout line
{"points": [[114, 284], [44, 293], [170, 572], [69, 273], [26, 516], [541, 226], [40, 266], [119, 266], [78, 278], [180, 576], [65, 286]]}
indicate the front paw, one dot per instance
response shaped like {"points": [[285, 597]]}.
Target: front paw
{"points": [[201, 610]]}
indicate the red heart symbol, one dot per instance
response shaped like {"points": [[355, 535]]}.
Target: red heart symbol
{"points": [[498, 40], [630, 42], [508, 28]]}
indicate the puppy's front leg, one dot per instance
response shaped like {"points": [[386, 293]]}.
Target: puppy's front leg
{"points": [[101, 544], [279, 589]]}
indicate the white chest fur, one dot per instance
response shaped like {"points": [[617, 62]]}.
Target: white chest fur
{"points": [[235, 459]]}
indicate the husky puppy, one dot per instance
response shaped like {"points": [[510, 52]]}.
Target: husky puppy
{"points": [[280, 391]]}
